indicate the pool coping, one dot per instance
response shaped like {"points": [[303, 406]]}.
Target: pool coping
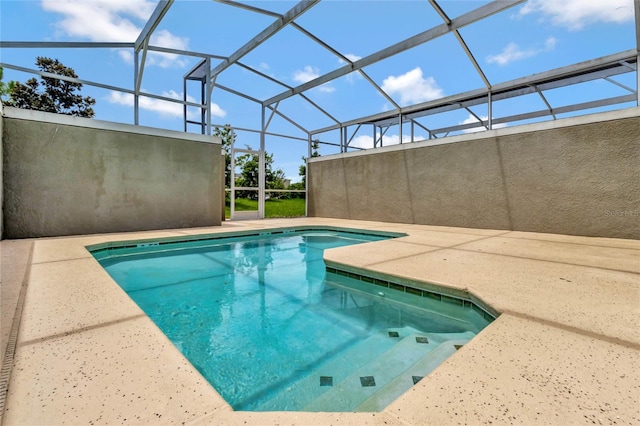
{"points": [[59, 263]]}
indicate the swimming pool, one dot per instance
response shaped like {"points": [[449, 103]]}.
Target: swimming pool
{"points": [[271, 328]]}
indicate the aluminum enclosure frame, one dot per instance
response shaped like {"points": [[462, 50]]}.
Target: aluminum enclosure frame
{"points": [[206, 74]]}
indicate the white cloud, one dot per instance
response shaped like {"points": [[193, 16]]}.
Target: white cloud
{"points": [[309, 73], [352, 76], [412, 87], [480, 128], [366, 142], [513, 52], [163, 108], [100, 20], [576, 14], [350, 56], [164, 38], [115, 21], [325, 88], [126, 55], [550, 43]]}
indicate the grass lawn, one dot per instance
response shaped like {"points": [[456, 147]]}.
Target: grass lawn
{"points": [[294, 207]]}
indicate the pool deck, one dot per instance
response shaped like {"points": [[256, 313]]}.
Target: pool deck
{"points": [[565, 349]]}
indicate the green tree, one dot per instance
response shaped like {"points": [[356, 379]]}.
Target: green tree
{"points": [[51, 94], [228, 137], [248, 165], [5, 88], [302, 170], [249, 172]]}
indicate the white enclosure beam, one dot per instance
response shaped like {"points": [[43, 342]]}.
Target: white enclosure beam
{"points": [[435, 32], [466, 49], [161, 9], [249, 8], [599, 68], [64, 45], [260, 38]]}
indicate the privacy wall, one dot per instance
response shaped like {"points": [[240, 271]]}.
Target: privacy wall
{"points": [[578, 176], [67, 176]]}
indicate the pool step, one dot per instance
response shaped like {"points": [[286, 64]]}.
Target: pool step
{"points": [[307, 389], [396, 387], [367, 380]]}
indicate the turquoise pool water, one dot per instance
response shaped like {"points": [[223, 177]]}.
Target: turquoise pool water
{"points": [[266, 324]]}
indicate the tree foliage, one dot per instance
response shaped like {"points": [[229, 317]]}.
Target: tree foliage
{"points": [[248, 164], [50, 94], [302, 170], [228, 137], [249, 169], [5, 88]]}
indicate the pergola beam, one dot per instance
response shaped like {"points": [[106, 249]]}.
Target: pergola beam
{"points": [[249, 8], [599, 68], [152, 23], [379, 89], [96, 84], [202, 55], [63, 77], [265, 34], [411, 42], [286, 118], [541, 113], [463, 44], [261, 74], [64, 45], [236, 93]]}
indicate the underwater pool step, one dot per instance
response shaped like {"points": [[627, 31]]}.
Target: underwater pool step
{"points": [[412, 375], [365, 381], [338, 368]]}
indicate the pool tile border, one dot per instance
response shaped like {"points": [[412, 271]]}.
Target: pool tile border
{"points": [[468, 302]]}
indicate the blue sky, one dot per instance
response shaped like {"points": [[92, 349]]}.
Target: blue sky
{"points": [[532, 37]]}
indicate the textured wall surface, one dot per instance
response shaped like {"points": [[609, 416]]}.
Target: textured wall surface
{"points": [[578, 176], [1, 177], [68, 179]]}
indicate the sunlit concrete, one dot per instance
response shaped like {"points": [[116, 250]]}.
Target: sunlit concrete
{"points": [[564, 351]]}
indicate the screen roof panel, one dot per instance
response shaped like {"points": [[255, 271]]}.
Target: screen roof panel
{"points": [[510, 40]]}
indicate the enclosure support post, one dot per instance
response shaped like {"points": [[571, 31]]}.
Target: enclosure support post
{"points": [[400, 127], [184, 106], [203, 111], [489, 112], [136, 65], [208, 92], [232, 183], [636, 11], [261, 169], [345, 143], [306, 177], [638, 77], [375, 136]]}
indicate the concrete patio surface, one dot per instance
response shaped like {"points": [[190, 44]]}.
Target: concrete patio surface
{"points": [[565, 349]]}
